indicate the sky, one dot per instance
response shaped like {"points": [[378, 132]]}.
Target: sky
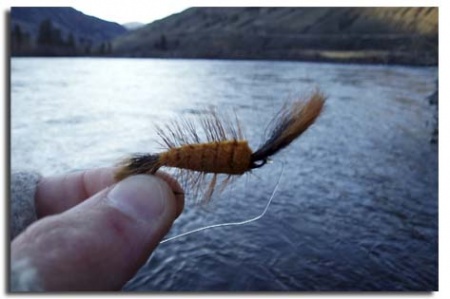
{"points": [[126, 12]]}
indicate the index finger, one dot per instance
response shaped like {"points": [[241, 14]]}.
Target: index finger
{"points": [[56, 194]]}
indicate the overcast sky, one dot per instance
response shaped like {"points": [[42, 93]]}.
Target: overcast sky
{"points": [[130, 11]]}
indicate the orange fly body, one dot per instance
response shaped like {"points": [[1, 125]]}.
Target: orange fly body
{"points": [[225, 152], [230, 157]]}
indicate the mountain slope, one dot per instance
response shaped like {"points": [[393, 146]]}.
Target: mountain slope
{"points": [[133, 25], [65, 22], [288, 33]]}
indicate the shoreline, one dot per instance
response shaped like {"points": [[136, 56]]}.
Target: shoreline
{"points": [[342, 57]]}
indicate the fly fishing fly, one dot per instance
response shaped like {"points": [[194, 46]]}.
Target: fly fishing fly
{"points": [[207, 165]]}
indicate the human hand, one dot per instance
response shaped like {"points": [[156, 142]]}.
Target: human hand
{"points": [[93, 234]]}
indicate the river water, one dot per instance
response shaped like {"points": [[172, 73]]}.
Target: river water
{"points": [[356, 207]]}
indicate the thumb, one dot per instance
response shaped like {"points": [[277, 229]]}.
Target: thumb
{"points": [[99, 244]]}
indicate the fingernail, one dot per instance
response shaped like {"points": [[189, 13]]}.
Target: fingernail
{"points": [[141, 197]]}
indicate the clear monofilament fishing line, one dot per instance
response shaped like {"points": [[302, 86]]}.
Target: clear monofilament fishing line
{"points": [[232, 223]]}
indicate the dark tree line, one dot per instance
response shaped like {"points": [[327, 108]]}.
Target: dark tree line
{"points": [[51, 41], [161, 44], [20, 40]]}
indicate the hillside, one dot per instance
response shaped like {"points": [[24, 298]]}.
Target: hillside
{"points": [[386, 35], [69, 31], [133, 25]]}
